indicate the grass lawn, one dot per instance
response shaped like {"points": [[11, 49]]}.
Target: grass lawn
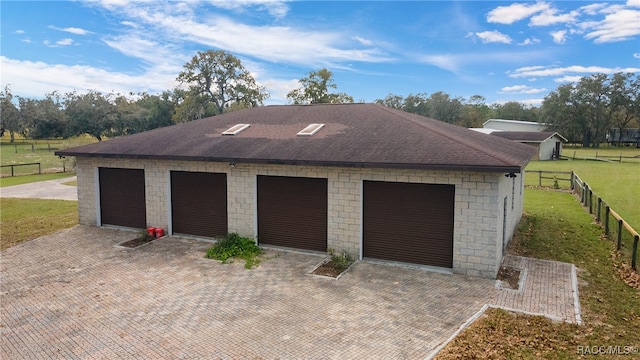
{"points": [[555, 227], [27, 219], [605, 151], [25, 179], [37, 151], [617, 183]]}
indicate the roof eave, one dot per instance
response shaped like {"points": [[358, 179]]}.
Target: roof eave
{"points": [[447, 167]]}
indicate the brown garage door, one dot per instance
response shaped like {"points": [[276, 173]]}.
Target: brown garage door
{"points": [[122, 198], [292, 212], [199, 203], [410, 223]]}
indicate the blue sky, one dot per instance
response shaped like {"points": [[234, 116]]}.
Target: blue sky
{"points": [[502, 50]]}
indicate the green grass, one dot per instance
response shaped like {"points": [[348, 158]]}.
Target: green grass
{"points": [[555, 227], [27, 219], [37, 151], [606, 152], [235, 246], [25, 179], [617, 183]]}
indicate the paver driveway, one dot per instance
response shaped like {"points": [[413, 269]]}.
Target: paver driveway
{"points": [[75, 294]]}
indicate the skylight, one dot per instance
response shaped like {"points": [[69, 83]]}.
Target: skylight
{"points": [[310, 130], [235, 129]]}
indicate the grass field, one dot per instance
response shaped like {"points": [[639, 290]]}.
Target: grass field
{"points": [[37, 151], [27, 219], [25, 179], [617, 183], [555, 227]]}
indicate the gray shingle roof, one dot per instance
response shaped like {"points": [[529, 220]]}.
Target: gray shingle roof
{"points": [[362, 135]]}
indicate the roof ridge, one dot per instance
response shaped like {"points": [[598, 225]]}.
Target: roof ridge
{"points": [[422, 124]]}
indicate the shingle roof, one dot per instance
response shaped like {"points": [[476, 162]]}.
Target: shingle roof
{"points": [[362, 135], [527, 136]]}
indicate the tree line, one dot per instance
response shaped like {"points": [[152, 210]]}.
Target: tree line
{"points": [[214, 82]]}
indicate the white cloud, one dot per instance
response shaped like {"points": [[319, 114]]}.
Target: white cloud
{"points": [[550, 17], [35, 79], [520, 89], [129, 24], [363, 41], [633, 3], [538, 71], [568, 78], [276, 8], [72, 30], [636, 55], [19, 31], [515, 12], [559, 37], [63, 42], [532, 102], [269, 43], [618, 25], [592, 9], [530, 41], [493, 37]]}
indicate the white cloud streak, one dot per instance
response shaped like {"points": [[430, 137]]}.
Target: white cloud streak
{"points": [[36, 78], [542, 71], [494, 37], [72, 30], [521, 89], [515, 12], [559, 37]]}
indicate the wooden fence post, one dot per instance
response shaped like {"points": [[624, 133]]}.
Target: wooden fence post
{"points": [[598, 212], [619, 235], [590, 202], [606, 220], [539, 178], [634, 254], [573, 178]]}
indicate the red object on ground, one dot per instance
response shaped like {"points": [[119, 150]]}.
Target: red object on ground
{"points": [[159, 232], [151, 231]]}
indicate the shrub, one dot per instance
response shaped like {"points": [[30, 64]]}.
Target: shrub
{"points": [[341, 261], [235, 246]]}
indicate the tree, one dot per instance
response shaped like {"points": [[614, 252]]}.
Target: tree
{"points": [[513, 110], [47, 119], [223, 79], [9, 114], [474, 112], [315, 90], [442, 107], [623, 99], [91, 113], [146, 113]]}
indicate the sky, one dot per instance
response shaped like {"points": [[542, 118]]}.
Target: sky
{"points": [[501, 50]]}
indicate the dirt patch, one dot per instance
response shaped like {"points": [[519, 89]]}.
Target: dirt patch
{"points": [[331, 268], [328, 269], [139, 241], [509, 277]]}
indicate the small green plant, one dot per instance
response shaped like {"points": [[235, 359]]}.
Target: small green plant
{"points": [[555, 182], [235, 246], [341, 261]]}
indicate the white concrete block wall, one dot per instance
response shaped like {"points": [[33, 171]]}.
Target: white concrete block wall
{"points": [[477, 213]]}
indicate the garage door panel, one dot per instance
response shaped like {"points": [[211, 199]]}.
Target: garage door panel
{"points": [[122, 197], [199, 203], [292, 212], [408, 222]]}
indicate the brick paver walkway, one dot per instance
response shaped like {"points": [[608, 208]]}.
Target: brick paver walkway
{"points": [[76, 295]]}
